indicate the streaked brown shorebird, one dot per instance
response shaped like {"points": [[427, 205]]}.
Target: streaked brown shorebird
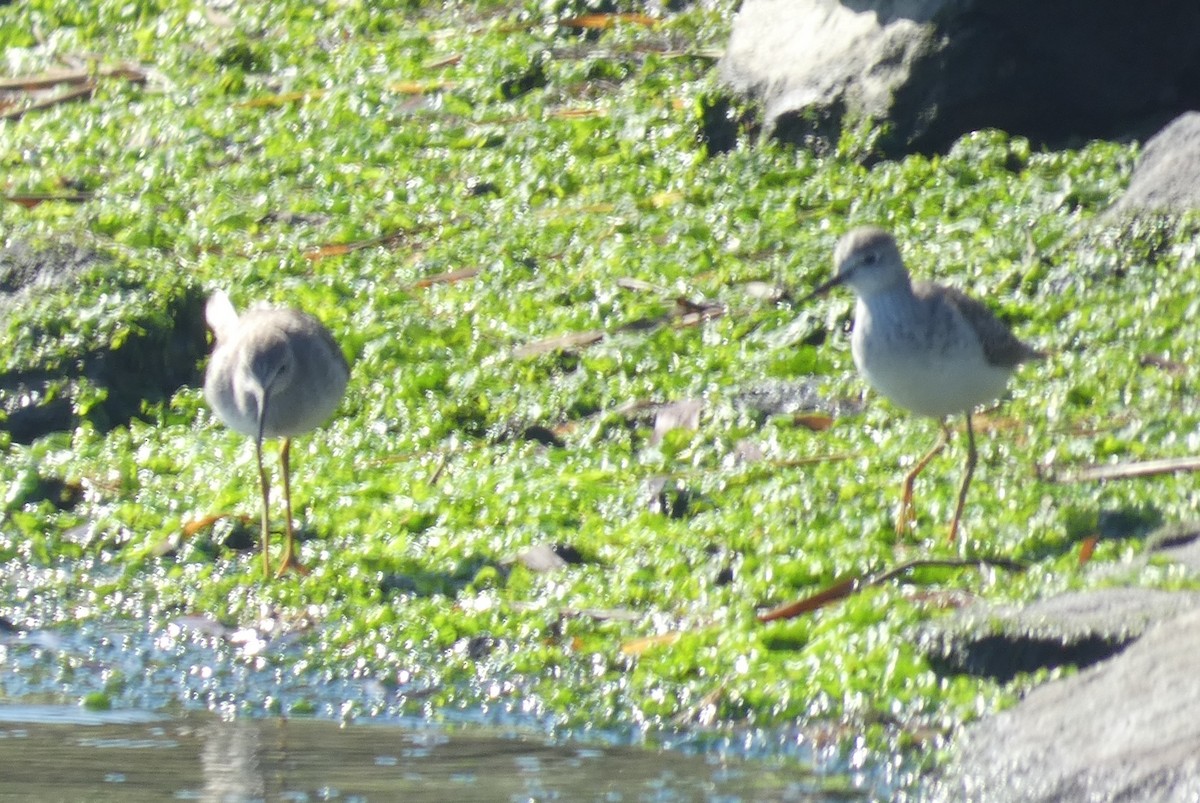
{"points": [[929, 348], [274, 373]]}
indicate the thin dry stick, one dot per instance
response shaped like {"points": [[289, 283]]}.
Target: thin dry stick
{"points": [[79, 93], [46, 80], [1121, 471]]}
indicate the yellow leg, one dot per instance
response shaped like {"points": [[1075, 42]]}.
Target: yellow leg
{"points": [[972, 457], [905, 516], [265, 486], [289, 561]]}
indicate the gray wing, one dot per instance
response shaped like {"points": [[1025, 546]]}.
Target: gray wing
{"points": [[1000, 346]]}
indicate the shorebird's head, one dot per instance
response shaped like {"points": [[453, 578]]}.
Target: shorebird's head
{"points": [[261, 367], [868, 260]]}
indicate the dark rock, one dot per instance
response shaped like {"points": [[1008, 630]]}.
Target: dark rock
{"points": [[1077, 629], [1126, 729], [55, 490], [30, 414], [549, 557], [1167, 175], [542, 435], [530, 77], [514, 430], [668, 497], [719, 125], [477, 188], [1127, 522], [1057, 73], [477, 647], [154, 355]]}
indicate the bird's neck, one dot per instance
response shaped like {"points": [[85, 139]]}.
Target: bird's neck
{"points": [[893, 300]]}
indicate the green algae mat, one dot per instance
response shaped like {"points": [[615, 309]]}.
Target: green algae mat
{"points": [[589, 436]]}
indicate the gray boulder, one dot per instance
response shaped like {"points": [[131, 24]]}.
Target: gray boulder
{"points": [[1126, 729], [1078, 629], [1167, 175], [935, 69]]}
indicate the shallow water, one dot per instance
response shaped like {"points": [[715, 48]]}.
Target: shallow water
{"points": [[53, 752], [196, 715]]}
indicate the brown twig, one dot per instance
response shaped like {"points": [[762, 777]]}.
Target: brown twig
{"points": [[846, 586]]}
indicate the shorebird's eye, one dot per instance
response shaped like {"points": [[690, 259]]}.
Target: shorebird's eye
{"points": [[870, 258]]}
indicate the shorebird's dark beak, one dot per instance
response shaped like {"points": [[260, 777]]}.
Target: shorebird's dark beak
{"points": [[824, 288], [262, 416]]}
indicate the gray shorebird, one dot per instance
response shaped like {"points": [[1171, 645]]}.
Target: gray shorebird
{"points": [[274, 373], [929, 348]]}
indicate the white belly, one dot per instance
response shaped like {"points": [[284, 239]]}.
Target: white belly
{"points": [[937, 370]]}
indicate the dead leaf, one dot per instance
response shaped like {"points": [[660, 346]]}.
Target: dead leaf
{"points": [[547, 213], [942, 598], [633, 409], [421, 87], [840, 589], [703, 712], [799, 462], [340, 249], [747, 451], [599, 22], [543, 558], [30, 83], [190, 528], [639, 646], [638, 285], [692, 313], [449, 277], [578, 114], [217, 19], [984, 423], [764, 291], [852, 584], [31, 199], [1087, 549], [816, 422]]}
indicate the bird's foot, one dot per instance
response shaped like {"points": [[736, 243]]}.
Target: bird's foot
{"points": [[905, 517], [289, 563]]}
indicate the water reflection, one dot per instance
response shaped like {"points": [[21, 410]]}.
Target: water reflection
{"points": [[66, 753]]}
